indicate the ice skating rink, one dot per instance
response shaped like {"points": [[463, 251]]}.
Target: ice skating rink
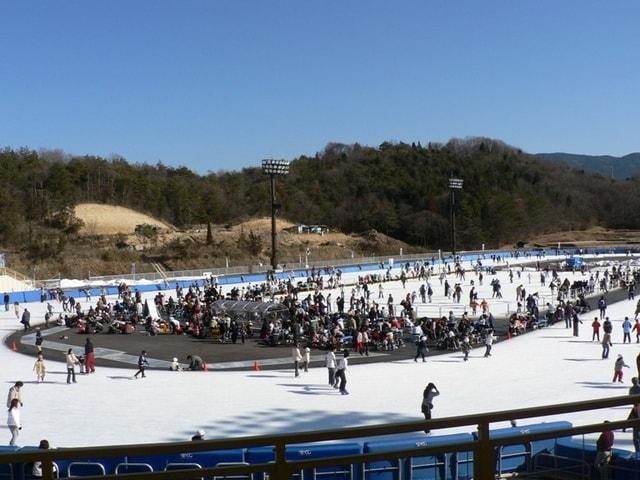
{"points": [[108, 407]]}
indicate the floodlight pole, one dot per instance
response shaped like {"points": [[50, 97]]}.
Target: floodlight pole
{"points": [[454, 184], [274, 168], [274, 233], [453, 221]]}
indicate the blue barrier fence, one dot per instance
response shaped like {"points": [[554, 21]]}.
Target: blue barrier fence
{"points": [[511, 458], [34, 295]]}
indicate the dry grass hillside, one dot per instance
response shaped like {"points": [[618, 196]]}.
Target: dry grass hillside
{"points": [[262, 227], [108, 220], [292, 245], [592, 236], [101, 219], [109, 244]]}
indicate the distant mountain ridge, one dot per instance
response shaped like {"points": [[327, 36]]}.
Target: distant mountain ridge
{"points": [[606, 165]]}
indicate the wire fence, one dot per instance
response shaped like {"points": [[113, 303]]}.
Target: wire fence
{"points": [[251, 269], [387, 260]]}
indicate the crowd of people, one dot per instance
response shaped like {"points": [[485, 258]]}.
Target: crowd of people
{"points": [[361, 317]]}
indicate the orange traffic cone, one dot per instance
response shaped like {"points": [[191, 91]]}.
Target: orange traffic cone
{"points": [[205, 367], [14, 347], [256, 366]]}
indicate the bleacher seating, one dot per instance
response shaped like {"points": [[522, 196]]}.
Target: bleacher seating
{"points": [[231, 477], [25, 471], [517, 457], [184, 466], [123, 468], [574, 456], [420, 467], [7, 469], [458, 464], [85, 469], [204, 459], [308, 452]]}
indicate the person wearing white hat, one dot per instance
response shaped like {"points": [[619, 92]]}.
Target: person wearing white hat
{"points": [[617, 369], [175, 365]]}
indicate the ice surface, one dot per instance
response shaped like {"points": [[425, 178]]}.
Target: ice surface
{"points": [[543, 367]]}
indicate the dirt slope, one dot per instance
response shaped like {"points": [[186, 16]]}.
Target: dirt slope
{"points": [[110, 220], [592, 236], [262, 228]]}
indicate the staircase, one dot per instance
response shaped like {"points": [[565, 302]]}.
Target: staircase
{"points": [[160, 271]]}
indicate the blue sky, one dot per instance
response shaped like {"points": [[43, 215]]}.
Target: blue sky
{"points": [[218, 85]]}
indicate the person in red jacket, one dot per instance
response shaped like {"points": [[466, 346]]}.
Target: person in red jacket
{"points": [[603, 457], [596, 329], [90, 357], [636, 328], [617, 369]]}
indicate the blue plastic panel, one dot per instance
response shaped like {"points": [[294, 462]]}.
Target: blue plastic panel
{"points": [[205, 459]]}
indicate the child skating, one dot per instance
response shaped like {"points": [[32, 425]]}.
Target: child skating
{"points": [[465, 347], [617, 369], [40, 368], [143, 363]]}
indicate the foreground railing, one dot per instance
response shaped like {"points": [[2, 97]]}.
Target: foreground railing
{"points": [[483, 448]]}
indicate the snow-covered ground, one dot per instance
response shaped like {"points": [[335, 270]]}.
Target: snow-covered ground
{"points": [[108, 407]]}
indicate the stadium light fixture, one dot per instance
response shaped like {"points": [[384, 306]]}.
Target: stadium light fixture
{"points": [[274, 168]]}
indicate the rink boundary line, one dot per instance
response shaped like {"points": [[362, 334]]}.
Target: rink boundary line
{"points": [[122, 357]]}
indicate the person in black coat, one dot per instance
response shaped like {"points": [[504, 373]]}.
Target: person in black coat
{"points": [[26, 319], [421, 349], [39, 339], [195, 362], [576, 324], [428, 395]]}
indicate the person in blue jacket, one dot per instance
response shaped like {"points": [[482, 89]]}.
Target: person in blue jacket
{"points": [[626, 330], [143, 363]]}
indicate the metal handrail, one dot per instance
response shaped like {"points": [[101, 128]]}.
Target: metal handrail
{"points": [[584, 468], [482, 448]]}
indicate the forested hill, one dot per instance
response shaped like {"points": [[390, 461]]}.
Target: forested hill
{"points": [[616, 167], [398, 189]]}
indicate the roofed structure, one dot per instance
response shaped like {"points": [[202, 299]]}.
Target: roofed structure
{"points": [[239, 307]]}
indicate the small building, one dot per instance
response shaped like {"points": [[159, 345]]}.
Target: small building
{"points": [[318, 229]]}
